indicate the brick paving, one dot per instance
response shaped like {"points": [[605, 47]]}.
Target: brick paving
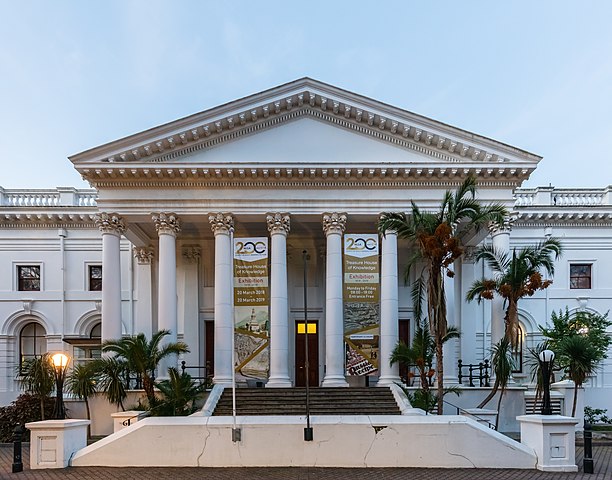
{"points": [[602, 454]]}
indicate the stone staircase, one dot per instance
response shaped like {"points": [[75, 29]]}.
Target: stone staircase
{"points": [[323, 401]]}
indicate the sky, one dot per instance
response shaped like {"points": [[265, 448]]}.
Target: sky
{"points": [[77, 74]]}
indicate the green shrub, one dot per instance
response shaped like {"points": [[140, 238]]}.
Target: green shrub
{"points": [[596, 415], [26, 408]]}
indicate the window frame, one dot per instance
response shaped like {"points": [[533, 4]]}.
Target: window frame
{"points": [[17, 266], [88, 277], [22, 356], [581, 263]]}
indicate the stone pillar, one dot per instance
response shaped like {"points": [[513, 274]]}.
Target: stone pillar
{"points": [[279, 226], [333, 226], [112, 227], [453, 313], [471, 313], [189, 309], [222, 224], [501, 243], [167, 226], [389, 310], [143, 321]]}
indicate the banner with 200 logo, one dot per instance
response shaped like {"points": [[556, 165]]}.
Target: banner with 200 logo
{"points": [[251, 307], [361, 294]]}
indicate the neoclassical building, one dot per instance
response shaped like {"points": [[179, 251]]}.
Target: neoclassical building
{"points": [[294, 173]]}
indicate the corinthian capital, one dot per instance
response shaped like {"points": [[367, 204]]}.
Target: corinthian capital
{"points": [[167, 223], [221, 222], [334, 223], [278, 223], [496, 228], [110, 223], [143, 255]]}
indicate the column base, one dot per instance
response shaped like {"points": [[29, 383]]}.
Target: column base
{"points": [[280, 382], [335, 381], [222, 380], [388, 380]]}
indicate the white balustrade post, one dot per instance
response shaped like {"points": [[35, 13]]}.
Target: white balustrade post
{"points": [[167, 225], [333, 226], [112, 227], [389, 310], [279, 226], [221, 224]]}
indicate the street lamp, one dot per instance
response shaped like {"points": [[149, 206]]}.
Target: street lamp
{"points": [[60, 362], [546, 359]]}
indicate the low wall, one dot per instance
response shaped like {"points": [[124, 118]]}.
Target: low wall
{"points": [[347, 441]]}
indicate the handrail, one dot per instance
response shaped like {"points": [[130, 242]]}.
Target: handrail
{"points": [[460, 409]]}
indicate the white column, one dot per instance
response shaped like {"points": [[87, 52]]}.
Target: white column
{"points": [[279, 226], [143, 314], [189, 325], [112, 227], [452, 289], [333, 226], [389, 310], [221, 224], [167, 226], [471, 313], [501, 243]]}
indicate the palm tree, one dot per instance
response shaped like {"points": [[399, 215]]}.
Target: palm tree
{"points": [[437, 238], [142, 356], [419, 354], [180, 393], [578, 357], [37, 377], [503, 364], [111, 373], [82, 382], [515, 276]]}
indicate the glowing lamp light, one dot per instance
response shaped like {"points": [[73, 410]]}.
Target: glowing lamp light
{"points": [[60, 360]]}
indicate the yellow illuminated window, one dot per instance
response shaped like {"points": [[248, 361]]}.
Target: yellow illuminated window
{"points": [[312, 328]]}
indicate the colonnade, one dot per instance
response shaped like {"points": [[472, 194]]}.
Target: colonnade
{"points": [[168, 225]]}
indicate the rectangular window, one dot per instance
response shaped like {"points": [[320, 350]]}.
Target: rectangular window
{"points": [[580, 275], [28, 278], [95, 278]]}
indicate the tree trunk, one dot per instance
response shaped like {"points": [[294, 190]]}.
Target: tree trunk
{"points": [[575, 399], [88, 417], [490, 395], [512, 322], [440, 374], [149, 389], [501, 396]]}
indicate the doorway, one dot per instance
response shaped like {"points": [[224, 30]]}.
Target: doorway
{"points": [[313, 353], [404, 337]]}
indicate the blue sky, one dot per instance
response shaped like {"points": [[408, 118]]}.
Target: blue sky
{"points": [[77, 74]]}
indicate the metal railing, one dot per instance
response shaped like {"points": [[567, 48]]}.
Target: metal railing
{"points": [[475, 371], [204, 372]]}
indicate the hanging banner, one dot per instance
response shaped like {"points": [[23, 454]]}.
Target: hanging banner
{"points": [[361, 294], [251, 308]]}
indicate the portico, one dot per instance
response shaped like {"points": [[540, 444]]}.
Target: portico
{"points": [[301, 164]]}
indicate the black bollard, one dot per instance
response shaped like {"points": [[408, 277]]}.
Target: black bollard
{"points": [[17, 462], [587, 462]]}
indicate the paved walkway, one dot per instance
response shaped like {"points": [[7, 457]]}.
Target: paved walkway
{"points": [[603, 470]]}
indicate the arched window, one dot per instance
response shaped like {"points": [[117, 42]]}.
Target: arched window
{"points": [[32, 342]]}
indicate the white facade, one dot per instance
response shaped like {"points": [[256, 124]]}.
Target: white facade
{"points": [[324, 161]]}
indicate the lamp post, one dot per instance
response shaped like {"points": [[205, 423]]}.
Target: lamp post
{"points": [[60, 362], [546, 359]]}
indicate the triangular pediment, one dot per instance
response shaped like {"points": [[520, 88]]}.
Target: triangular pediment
{"points": [[301, 123]]}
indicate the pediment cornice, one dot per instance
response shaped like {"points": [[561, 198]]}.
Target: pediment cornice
{"points": [[161, 148]]}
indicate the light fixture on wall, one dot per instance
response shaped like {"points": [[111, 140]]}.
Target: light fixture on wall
{"points": [[60, 365]]}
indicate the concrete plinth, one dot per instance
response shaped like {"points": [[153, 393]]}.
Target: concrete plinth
{"points": [[553, 439], [122, 420], [53, 442]]}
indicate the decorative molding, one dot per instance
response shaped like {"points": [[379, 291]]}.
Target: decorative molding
{"points": [[167, 223], [221, 223], [98, 305], [191, 254], [278, 223], [27, 306], [469, 254], [110, 223], [334, 222], [143, 255]]}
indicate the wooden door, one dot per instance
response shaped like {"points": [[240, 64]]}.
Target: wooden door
{"points": [[404, 336], [313, 354], [209, 356]]}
